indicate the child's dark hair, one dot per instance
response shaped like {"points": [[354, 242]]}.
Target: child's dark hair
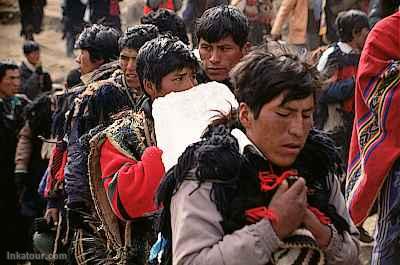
{"points": [[161, 56], [349, 22]]}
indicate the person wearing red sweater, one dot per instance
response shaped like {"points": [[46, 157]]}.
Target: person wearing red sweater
{"points": [[125, 166]]}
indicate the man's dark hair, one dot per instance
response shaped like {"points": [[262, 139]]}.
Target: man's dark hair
{"points": [[30, 46], [222, 21], [349, 22], [261, 76], [100, 41], [161, 56], [167, 22], [6, 65], [135, 37]]}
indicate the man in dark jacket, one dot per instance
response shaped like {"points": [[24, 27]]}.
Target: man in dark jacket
{"points": [[31, 17], [11, 121], [34, 79], [222, 32]]}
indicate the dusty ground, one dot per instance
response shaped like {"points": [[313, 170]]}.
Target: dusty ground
{"points": [[55, 61], [52, 45]]}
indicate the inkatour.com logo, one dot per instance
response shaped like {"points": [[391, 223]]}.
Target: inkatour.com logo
{"points": [[35, 256]]}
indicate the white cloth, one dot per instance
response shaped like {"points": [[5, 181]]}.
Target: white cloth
{"points": [[180, 118]]}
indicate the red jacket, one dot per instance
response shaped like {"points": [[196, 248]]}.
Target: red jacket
{"points": [[130, 184]]}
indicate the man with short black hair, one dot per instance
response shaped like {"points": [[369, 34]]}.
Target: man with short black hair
{"points": [[129, 44], [34, 79], [11, 121], [222, 32], [78, 113], [250, 188], [125, 165]]}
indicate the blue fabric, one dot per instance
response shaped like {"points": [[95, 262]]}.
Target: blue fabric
{"points": [[157, 248], [387, 230], [338, 92], [42, 184], [76, 179]]}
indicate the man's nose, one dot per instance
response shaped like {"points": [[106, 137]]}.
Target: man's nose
{"points": [[215, 56], [78, 59], [297, 127], [131, 65]]}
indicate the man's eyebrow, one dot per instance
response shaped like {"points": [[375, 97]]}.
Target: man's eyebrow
{"points": [[180, 74], [293, 110]]}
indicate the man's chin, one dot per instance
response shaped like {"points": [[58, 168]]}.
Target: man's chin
{"points": [[217, 77], [133, 85]]}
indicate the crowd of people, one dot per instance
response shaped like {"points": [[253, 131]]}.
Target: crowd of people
{"points": [[127, 163]]}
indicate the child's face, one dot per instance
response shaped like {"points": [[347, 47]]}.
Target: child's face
{"points": [[176, 81]]}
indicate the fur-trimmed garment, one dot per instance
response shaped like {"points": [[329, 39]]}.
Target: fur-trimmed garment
{"points": [[92, 107], [228, 172], [124, 173]]}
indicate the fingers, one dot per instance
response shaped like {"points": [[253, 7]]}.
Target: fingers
{"points": [[282, 188], [298, 188]]}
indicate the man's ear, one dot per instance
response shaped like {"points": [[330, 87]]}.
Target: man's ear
{"points": [[150, 89], [355, 33], [245, 115], [246, 48]]}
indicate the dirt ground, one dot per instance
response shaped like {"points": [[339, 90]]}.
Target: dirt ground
{"points": [[55, 61], [50, 39]]}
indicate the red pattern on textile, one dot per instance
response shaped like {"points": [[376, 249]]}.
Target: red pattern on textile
{"points": [[133, 183], [370, 163]]}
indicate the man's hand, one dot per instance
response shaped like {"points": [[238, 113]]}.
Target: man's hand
{"points": [[321, 232], [51, 216], [289, 205]]}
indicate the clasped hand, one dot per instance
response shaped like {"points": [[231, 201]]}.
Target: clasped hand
{"points": [[290, 206]]}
